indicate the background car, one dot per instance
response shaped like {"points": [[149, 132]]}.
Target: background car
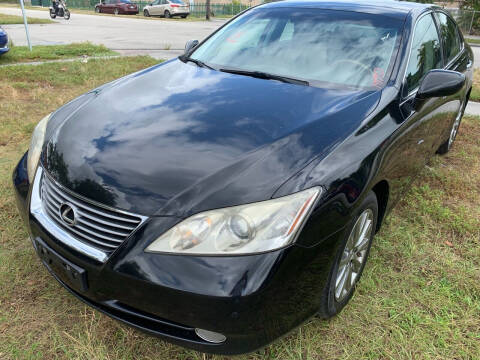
{"points": [[117, 7], [3, 42], [167, 9]]}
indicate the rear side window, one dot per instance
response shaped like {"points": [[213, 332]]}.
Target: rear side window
{"points": [[425, 54], [450, 36]]}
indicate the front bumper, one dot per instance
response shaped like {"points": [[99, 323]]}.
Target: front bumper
{"points": [[252, 300]]}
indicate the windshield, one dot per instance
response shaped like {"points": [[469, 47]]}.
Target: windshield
{"points": [[320, 46], [176, 2]]}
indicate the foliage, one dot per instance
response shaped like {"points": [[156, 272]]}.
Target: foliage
{"points": [[53, 52], [13, 19]]}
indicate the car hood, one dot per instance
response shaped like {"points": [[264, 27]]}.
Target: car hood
{"points": [[176, 139]]}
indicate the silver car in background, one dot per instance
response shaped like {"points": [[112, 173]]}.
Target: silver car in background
{"points": [[167, 9]]}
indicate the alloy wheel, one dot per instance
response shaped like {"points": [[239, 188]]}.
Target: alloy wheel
{"points": [[354, 255], [116, 11], [455, 126]]}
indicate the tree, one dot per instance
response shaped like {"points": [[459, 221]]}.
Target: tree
{"points": [[207, 6]]}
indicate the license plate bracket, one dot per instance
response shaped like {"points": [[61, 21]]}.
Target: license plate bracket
{"points": [[68, 272]]}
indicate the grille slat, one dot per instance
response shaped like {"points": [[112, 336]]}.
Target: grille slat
{"points": [[99, 227], [97, 209], [100, 244]]}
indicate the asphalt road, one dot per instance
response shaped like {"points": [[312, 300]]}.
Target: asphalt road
{"points": [[118, 33]]}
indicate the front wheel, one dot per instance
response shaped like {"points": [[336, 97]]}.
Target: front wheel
{"points": [[97, 10], [350, 259], [167, 14], [116, 12], [146, 13], [66, 14], [184, 16]]}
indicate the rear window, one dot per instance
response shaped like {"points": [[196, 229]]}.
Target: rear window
{"points": [[450, 37]]}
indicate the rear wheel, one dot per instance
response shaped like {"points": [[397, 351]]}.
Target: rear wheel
{"points": [[447, 145], [350, 259], [167, 14], [116, 12], [97, 10], [146, 13], [52, 14], [183, 16]]}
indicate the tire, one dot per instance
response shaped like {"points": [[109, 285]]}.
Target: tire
{"points": [[184, 16], [115, 11], [97, 10], [334, 298], [167, 14], [53, 15], [447, 145], [66, 15], [146, 13]]}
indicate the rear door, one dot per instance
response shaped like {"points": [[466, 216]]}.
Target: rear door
{"points": [[156, 8], [457, 58], [109, 5]]}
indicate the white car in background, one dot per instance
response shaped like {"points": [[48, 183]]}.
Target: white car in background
{"points": [[167, 9]]}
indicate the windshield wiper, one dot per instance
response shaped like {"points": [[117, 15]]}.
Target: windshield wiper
{"points": [[198, 62], [267, 76]]}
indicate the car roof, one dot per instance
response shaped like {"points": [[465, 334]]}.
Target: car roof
{"points": [[393, 8]]}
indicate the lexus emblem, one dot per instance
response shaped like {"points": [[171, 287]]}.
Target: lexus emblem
{"points": [[68, 214]]}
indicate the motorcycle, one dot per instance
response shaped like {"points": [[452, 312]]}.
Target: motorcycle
{"points": [[59, 8]]}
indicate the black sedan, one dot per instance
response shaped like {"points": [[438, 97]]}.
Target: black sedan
{"points": [[222, 198]]}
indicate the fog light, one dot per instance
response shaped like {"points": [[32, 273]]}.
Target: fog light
{"points": [[210, 336]]}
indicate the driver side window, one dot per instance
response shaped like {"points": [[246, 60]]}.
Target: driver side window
{"points": [[426, 52]]}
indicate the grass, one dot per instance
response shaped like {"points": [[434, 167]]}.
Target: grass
{"points": [[472, 41], [53, 52], [475, 94], [419, 297], [13, 19]]}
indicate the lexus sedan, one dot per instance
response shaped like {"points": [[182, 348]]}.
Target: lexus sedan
{"points": [[3, 41], [222, 198]]}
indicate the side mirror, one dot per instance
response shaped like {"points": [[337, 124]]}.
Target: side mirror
{"points": [[439, 83], [190, 45]]}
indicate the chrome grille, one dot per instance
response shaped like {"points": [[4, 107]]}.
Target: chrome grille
{"points": [[99, 227]]}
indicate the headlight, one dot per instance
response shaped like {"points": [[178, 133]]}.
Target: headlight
{"points": [[244, 229], [36, 145]]}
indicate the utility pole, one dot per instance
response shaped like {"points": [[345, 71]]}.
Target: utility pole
{"points": [[26, 25], [207, 5]]}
